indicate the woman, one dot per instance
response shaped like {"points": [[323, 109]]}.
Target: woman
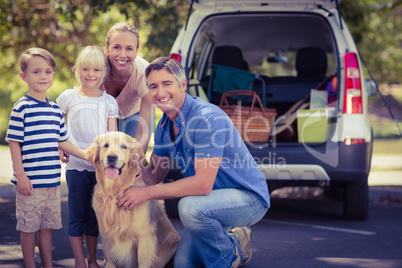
{"points": [[127, 84]]}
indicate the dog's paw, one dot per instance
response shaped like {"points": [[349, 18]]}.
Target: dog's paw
{"points": [[153, 263], [110, 265]]}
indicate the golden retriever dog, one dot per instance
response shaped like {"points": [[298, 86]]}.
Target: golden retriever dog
{"points": [[142, 237]]}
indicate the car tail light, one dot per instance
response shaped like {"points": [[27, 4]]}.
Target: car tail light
{"points": [[353, 90], [176, 57], [350, 141]]}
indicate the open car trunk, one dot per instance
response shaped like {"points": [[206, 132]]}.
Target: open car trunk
{"points": [[280, 56]]}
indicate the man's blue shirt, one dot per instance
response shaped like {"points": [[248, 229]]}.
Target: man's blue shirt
{"points": [[205, 131]]}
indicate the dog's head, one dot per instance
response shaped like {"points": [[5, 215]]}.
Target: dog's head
{"points": [[116, 155]]}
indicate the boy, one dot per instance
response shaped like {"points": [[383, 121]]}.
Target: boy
{"points": [[36, 131]]}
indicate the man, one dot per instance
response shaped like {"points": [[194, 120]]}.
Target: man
{"points": [[222, 186]]}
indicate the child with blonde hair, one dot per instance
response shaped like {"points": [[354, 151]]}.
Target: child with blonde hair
{"points": [[89, 112], [35, 133]]}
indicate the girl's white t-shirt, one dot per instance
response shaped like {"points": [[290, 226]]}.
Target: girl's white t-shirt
{"points": [[86, 118]]}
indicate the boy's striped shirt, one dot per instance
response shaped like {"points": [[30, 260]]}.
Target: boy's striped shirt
{"points": [[38, 127]]}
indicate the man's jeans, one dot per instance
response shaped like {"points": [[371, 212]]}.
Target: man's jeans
{"points": [[207, 220]]}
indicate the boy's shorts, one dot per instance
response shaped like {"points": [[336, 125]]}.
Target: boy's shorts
{"points": [[41, 210]]}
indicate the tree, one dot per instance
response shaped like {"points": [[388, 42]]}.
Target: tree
{"points": [[64, 27], [376, 26]]}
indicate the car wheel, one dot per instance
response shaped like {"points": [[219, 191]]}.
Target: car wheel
{"points": [[355, 200], [171, 208]]}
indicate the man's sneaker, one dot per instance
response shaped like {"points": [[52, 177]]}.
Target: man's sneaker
{"points": [[243, 235]]}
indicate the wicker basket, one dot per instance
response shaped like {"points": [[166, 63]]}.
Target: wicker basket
{"points": [[253, 123]]}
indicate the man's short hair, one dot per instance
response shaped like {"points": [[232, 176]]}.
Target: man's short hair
{"points": [[170, 65]]}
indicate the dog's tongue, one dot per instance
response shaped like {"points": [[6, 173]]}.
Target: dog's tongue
{"points": [[111, 172]]}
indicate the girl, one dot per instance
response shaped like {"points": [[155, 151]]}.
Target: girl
{"points": [[127, 82], [89, 112]]}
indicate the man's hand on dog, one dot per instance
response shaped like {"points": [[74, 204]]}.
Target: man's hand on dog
{"points": [[133, 196]]}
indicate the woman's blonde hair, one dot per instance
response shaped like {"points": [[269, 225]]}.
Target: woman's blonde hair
{"points": [[124, 27], [91, 57]]}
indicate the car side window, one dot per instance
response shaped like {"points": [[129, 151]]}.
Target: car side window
{"points": [[202, 47]]}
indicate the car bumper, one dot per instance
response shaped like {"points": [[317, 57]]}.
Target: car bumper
{"points": [[329, 162]]}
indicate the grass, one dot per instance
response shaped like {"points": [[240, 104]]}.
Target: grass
{"points": [[380, 119], [3, 147], [386, 130]]}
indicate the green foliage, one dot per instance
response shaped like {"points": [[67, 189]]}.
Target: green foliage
{"points": [[376, 26], [64, 27], [386, 129]]}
